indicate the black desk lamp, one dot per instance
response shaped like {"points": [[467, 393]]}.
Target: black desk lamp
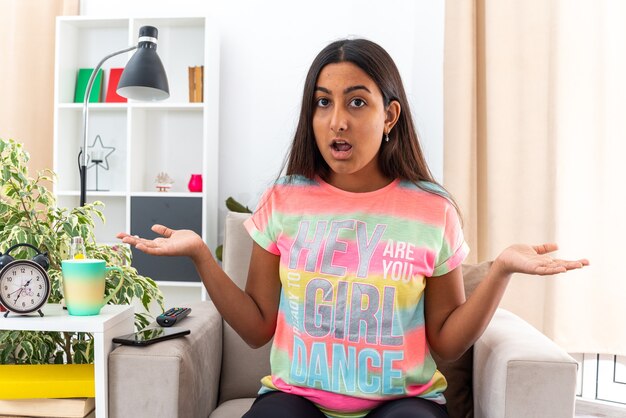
{"points": [[143, 78]]}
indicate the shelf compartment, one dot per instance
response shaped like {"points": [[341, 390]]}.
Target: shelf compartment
{"points": [[85, 43], [179, 49], [168, 141], [111, 125]]}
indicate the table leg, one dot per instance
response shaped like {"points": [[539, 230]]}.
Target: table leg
{"points": [[102, 347]]}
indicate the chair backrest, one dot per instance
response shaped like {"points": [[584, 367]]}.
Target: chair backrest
{"points": [[242, 366]]}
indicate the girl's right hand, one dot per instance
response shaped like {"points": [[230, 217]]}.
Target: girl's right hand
{"points": [[182, 242]]}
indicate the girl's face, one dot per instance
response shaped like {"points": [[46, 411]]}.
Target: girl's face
{"points": [[349, 120]]}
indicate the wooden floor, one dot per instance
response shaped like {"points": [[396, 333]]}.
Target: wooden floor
{"points": [[591, 409]]}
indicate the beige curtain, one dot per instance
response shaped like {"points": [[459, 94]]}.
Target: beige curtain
{"points": [[27, 33], [535, 127]]}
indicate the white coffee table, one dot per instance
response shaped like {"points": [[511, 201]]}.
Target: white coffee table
{"points": [[114, 320]]}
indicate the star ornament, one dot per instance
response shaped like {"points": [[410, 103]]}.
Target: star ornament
{"points": [[98, 152]]}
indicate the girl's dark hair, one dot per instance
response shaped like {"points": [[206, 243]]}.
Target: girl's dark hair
{"points": [[402, 156]]}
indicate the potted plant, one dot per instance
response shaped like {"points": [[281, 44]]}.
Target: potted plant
{"points": [[29, 214]]}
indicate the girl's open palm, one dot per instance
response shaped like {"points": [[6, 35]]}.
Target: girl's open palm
{"points": [[172, 242], [522, 258]]}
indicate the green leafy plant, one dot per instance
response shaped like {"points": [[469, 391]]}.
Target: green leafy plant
{"points": [[29, 214]]}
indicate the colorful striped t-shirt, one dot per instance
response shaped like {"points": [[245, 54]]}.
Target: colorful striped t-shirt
{"points": [[353, 266]]}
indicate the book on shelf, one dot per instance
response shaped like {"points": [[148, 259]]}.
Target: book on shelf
{"points": [[62, 408], [114, 79], [196, 84], [27, 381], [82, 79]]}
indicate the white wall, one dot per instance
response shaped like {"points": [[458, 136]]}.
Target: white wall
{"points": [[266, 49]]}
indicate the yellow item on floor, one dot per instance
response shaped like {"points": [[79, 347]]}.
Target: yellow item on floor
{"points": [[47, 381]]}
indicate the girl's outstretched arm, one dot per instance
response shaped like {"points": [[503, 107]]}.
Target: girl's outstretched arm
{"points": [[251, 313], [454, 324]]}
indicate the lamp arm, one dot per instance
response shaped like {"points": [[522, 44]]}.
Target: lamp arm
{"points": [[83, 167]]}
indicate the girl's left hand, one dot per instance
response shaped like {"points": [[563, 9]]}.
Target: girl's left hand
{"points": [[522, 258]]}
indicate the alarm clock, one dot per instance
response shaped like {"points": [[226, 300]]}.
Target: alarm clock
{"points": [[24, 284]]}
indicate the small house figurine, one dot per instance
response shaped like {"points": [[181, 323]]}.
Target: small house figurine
{"points": [[163, 182]]}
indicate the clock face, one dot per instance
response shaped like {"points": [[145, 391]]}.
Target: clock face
{"points": [[24, 286]]}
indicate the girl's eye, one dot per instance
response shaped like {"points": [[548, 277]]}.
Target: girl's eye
{"points": [[357, 102], [322, 102]]}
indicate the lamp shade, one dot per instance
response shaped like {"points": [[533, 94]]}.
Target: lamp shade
{"points": [[144, 77]]}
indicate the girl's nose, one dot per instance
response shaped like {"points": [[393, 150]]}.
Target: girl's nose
{"points": [[339, 121]]}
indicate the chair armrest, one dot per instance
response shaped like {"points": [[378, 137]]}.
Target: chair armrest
{"points": [[519, 372], [173, 378]]}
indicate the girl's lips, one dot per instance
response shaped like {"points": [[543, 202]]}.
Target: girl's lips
{"points": [[340, 149]]}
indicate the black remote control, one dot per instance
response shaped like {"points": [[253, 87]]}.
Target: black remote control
{"points": [[171, 316]]}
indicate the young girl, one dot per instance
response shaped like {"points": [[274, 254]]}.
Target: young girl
{"points": [[356, 266]]}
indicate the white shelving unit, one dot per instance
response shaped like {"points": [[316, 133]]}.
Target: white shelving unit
{"points": [[172, 136]]}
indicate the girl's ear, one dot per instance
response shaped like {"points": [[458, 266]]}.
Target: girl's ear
{"points": [[393, 114]]}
